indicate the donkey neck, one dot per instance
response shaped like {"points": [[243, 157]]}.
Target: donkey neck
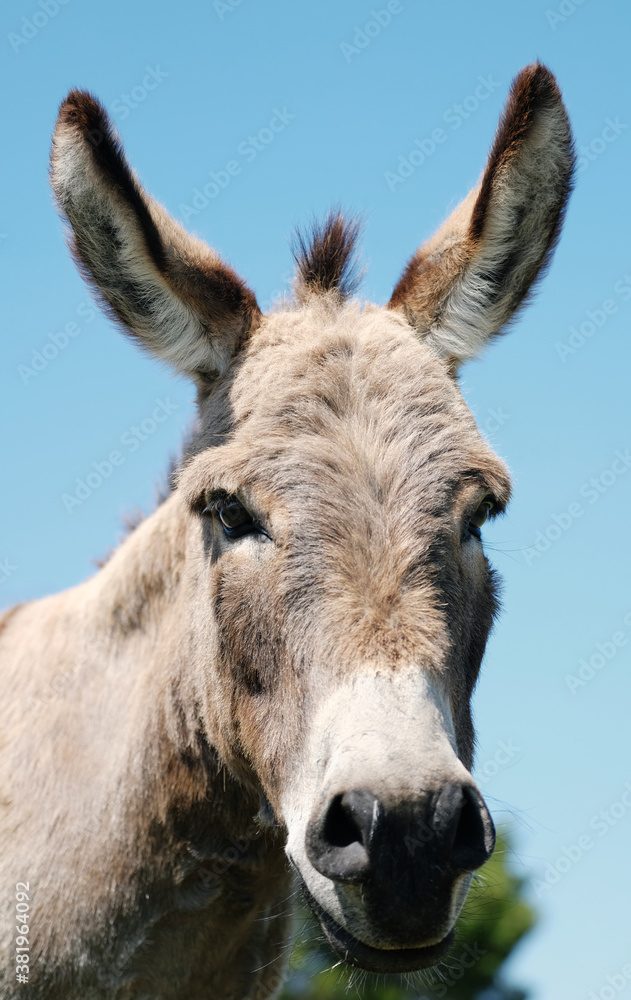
{"points": [[143, 576]]}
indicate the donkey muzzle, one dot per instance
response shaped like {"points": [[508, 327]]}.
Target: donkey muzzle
{"points": [[405, 857], [385, 823]]}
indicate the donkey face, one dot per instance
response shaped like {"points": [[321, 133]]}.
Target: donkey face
{"points": [[343, 563], [335, 494]]}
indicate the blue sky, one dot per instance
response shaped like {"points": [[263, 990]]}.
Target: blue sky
{"points": [[188, 86]]}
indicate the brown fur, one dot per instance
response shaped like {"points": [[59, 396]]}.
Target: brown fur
{"points": [[164, 722]]}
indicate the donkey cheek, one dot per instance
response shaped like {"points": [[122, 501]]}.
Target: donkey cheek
{"points": [[269, 739]]}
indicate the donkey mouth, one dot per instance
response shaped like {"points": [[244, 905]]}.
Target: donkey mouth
{"points": [[380, 960]]}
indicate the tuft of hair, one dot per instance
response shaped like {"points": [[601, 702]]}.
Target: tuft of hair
{"points": [[326, 257]]}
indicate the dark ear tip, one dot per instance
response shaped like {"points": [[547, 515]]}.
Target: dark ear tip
{"points": [[536, 85], [81, 111]]}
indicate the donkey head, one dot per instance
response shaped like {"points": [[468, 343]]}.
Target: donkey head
{"points": [[334, 498]]}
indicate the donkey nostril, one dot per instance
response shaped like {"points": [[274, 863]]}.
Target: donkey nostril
{"points": [[338, 841], [474, 838], [340, 825]]}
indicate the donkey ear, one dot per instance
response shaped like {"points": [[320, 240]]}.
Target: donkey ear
{"points": [[468, 280], [169, 290]]}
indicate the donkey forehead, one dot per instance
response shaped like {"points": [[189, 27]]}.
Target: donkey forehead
{"points": [[338, 359], [350, 390]]}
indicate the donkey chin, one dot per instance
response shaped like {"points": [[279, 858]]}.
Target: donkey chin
{"points": [[386, 855]]}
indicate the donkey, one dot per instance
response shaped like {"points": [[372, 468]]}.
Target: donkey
{"points": [[269, 682]]}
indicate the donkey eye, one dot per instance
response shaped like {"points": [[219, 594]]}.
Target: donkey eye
{"points": [[235, 520], [480, 516]]}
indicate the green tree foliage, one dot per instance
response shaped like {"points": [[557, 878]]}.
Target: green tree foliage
{"points": [[494, 919]]}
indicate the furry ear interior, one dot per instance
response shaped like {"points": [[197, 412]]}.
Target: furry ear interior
{"points": [[167, 289], [465, 283]]}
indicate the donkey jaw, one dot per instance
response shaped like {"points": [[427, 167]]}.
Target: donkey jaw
{"points": [[363, 946], [373, 959]]}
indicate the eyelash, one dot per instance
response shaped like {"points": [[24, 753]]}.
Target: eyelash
{"points": [[248, 526], [489, 502]]}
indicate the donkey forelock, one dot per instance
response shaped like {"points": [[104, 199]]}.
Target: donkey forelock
{"points": [[325, 257], [285, 652]]}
